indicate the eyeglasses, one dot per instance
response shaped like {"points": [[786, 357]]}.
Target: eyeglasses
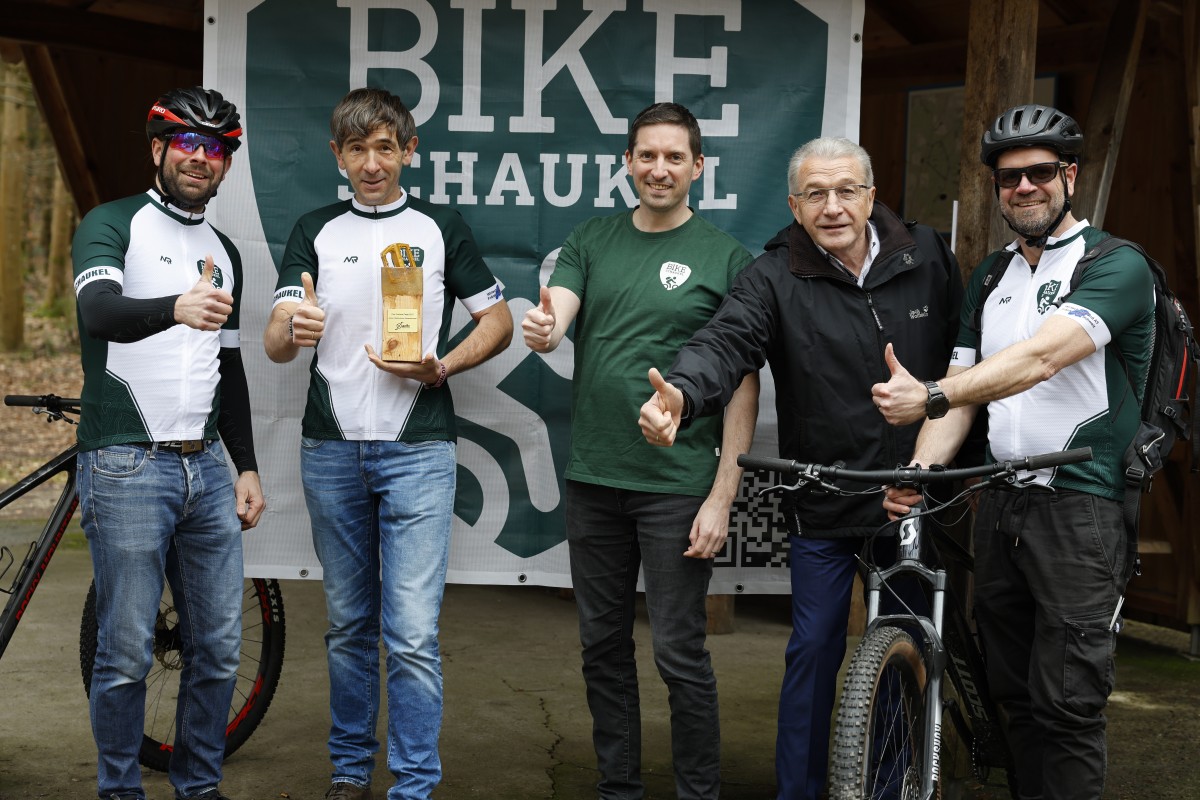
{"points": [[1010, 177], [188, 141], [819, 197]]}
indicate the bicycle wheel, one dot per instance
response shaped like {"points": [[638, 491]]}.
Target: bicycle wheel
{"points": [[258, 673], [877, 748]]}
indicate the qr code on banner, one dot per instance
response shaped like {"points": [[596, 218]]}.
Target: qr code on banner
{"points": [[757, 535]]}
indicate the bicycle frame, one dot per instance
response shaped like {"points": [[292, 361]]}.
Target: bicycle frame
{"points": [[37, 558], [950, 650]]}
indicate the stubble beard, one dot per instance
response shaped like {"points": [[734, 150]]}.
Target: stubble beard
{"points": [[1035, 224], [188, 198]]}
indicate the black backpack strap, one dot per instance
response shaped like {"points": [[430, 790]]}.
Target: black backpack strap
{"points": [[995, 272]]}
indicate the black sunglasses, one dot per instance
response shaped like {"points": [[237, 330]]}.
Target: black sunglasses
{"points": [[1010, 177]]}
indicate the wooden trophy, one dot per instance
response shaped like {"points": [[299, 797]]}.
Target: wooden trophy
{"points": [[403, 286]]}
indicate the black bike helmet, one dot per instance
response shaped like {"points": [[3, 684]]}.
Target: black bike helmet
{"points": [[1032, 125], [197, 108]]}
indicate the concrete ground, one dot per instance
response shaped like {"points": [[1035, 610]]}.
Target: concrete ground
{"points": [[516, 724]]}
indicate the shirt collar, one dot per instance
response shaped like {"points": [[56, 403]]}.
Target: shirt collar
{"points": [[872, 254]]}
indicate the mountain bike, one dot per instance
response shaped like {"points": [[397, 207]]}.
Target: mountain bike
{"points": [[888, 737], [262, 611]]}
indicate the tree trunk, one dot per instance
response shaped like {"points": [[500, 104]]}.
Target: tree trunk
{"points": [[59, 299], [12, 211]]}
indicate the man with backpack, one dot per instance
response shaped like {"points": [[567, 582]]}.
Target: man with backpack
{"points": [[1061, 361]]}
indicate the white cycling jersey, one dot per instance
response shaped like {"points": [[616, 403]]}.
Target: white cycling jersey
{"points": [[1092, 402], [163, 387], [340, 246]]}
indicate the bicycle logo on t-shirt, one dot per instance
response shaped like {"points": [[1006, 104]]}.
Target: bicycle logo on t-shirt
{"points": [[1046, 295], [672, 274]]}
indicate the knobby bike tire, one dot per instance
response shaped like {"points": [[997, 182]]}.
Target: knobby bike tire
{"points": [[258, 671], [877, 748]]}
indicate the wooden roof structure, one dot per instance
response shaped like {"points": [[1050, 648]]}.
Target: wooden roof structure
{"points": [[1126, 69]]}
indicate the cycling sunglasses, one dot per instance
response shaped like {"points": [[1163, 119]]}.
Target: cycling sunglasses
{"points": [[188, 141], [1010, 177]]}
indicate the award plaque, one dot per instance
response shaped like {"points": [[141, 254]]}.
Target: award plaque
{"points": [[403, 286]]}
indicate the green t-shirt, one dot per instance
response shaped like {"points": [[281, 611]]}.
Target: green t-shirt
{"points": [[642, 296]]}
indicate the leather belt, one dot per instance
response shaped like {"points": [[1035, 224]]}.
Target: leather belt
{"points": [[181, 446]]}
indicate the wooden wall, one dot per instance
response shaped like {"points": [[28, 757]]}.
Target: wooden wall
{"points": [[1150, 202]]}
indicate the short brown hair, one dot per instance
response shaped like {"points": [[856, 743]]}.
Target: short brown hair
{"points": [[364, 110], [666, 114]]}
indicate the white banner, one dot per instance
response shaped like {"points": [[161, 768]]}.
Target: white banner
{"points": [[522, 108]]}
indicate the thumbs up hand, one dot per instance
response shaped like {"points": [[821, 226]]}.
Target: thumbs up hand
{"points": [[204, 306], [660, 415], [308, 320], [538, 325], [902, 399]]}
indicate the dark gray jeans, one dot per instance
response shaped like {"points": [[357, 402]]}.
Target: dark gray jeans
{"points": [[1049, 570], [610, 532]]}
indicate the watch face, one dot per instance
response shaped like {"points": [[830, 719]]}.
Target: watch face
{"points": [[938, 404]]}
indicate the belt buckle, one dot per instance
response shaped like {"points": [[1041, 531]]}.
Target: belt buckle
{"points": [[191, 446]]}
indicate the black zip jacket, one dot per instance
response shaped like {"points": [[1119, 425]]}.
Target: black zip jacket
{"points": [[823, 337]]}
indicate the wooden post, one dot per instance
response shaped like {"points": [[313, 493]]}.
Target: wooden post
{"points": [[1191, 80], [1107, 110], [44, 75], [1001, 47], [12, 211], [59, 298], [720, 613]]}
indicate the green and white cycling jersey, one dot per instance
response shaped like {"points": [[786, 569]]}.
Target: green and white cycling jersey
{"points": [[340, 246], [1092, 402], [165, 386]]}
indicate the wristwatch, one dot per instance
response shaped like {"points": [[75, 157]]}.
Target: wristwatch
{"points": [[938, 404]]}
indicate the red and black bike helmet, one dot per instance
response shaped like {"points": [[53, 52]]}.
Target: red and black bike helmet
{"points": [[199, 109]]}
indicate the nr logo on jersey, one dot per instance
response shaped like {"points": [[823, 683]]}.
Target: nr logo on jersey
{"points": [[1046, 295], [218, 279], [672, 274]]}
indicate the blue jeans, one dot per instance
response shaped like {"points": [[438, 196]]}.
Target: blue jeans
{"points": [[610, 533], [148, 513], [381, 514]]}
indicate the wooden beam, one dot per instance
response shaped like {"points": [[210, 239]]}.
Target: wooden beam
{"points": [[1001, 42], [1108, 108], [895, 69], [64, 128], [38, 24], [905, 20]]}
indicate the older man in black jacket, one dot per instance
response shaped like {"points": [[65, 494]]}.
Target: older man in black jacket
{"points": [[844, 279]]}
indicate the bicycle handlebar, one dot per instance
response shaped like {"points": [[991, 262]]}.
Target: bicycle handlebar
{"points": [[898, 476], [51, 402]]}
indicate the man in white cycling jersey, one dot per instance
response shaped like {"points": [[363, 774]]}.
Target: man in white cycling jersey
{"points": [[1052, 555], [377, 457], [159, 293]]}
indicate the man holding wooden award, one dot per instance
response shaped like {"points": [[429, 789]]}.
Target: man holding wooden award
{"points": [[369, 283]]}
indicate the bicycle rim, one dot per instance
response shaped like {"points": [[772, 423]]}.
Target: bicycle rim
{"points": [[878, 749], [258, 671]]}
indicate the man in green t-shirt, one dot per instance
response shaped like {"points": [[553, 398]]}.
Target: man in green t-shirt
{"points": [[638, 284]]}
